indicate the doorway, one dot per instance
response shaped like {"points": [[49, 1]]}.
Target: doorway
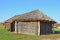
{"points": [[42, 28], [12, 26], [46, 28]]}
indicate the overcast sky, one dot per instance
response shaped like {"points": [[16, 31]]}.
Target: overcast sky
{"points": [[10, 8]]}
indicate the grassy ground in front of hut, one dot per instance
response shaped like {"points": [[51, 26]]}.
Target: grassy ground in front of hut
{"points": [[6, 35]]}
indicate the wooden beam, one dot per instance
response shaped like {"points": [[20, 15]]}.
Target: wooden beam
{"points": [[38, 28], [15, 26]]}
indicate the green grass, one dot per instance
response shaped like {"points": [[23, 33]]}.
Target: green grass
{"points": [[5, 35], [57, 30]]}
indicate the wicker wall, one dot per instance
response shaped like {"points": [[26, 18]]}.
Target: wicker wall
{"points": [[34, 28], [7, 25], [27, 27]]}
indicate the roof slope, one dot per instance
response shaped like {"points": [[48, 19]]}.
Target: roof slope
{"points": [[33, 15]]}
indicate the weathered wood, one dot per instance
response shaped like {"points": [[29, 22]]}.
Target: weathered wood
{"points": [[15, 26], [38, 28], [27, 27], [7, 25]]}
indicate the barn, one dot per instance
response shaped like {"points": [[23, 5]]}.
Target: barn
{"points": [[33, 23]]}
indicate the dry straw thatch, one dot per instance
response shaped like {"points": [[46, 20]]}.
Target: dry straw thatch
{"points": [[35, 15]]}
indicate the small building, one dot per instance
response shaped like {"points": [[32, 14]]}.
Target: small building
{"points": [[57, 25], [34, 23]]}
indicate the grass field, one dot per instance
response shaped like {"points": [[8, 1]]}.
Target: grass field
{"points": [[6, 35], [57, 30]]}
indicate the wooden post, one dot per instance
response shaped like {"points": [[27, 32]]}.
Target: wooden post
{"points": [[15, 26], [38, 28]]}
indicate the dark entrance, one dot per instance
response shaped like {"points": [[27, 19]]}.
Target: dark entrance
{"points": [[46, 28], [12, 26]]}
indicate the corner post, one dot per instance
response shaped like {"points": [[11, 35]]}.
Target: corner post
{"points": [[38, 28], [15, 26]]}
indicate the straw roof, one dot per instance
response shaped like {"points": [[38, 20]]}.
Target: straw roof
{"points": [[35, 15]]}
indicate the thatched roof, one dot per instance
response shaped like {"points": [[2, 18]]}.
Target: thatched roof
{"points": [[35, 15]]}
